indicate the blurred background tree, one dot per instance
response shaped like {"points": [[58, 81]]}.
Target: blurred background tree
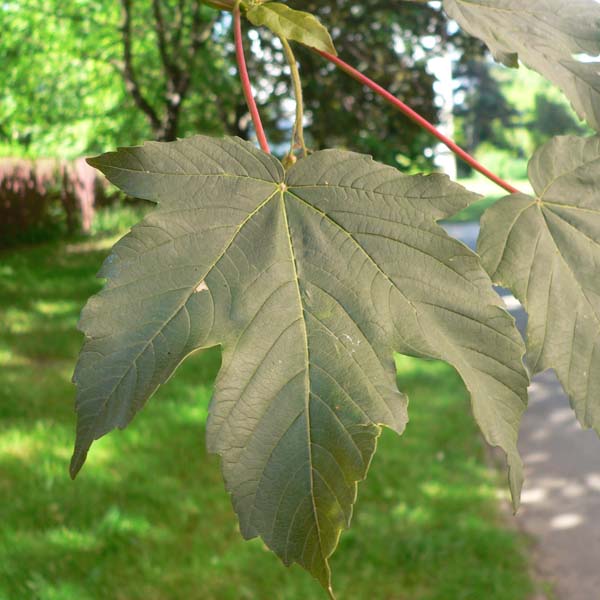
{"points": [[392, 41], [484, 110], [502, 115], [81, 76]]}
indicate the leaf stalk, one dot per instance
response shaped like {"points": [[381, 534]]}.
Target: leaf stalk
{"points": [[416, 118], [245, 79], [298, 130]]}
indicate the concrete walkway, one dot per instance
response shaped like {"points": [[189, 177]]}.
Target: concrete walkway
{"points": [[561, 497]]}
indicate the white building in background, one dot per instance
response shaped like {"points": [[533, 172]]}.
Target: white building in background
{"points": [[441, 69]]}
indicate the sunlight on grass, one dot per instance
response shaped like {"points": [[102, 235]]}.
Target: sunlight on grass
{"points": [[120, 217], [16, 444], [197, 414], [490, 193], [115, 522], [103, 457], [41, 589], [406, 365], [59, 307], [149, 518], [18, 320], [70, 540], [10, 358], [96, 245], [417, 515]]}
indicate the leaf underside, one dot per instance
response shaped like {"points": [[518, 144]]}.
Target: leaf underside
{"points": [[292, 24], [547, 251], [547, 36], [309, 280]]}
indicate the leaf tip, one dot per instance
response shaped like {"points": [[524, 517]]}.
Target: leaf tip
{"points": [[515, 478], [77, 461], [93, 161]]}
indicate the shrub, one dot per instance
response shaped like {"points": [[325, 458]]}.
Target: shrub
{"points": [[47, 198]]}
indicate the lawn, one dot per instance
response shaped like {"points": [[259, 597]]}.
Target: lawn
{"points": [[490, 193], [148, 517]]}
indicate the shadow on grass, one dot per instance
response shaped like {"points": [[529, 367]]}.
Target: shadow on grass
{"points": [[148, 518]]}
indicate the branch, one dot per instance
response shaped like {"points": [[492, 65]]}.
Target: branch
{"points": [[177, 79], [418, 119], [131, 82], [246, 85], [178, 64], [199, 34], [178, 23], [161, 35]]}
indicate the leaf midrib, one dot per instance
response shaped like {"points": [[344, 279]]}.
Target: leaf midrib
{"points": [[307, 372], [584, 165], [177, 310], [567, 265], [355, 242]]}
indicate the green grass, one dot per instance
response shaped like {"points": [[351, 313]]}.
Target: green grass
{"points": [[148, 518], [475, 211], [491, 194]]}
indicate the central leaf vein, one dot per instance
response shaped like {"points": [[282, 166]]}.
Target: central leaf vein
{"points": [[307, 379]]}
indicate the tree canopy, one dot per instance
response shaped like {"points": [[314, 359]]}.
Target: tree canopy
{"points": [[80, 76]]}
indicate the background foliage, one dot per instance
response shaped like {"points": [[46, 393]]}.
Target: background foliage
{"points": [[92, 105], [66, 92]]}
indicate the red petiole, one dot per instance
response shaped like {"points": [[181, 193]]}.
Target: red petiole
{"points": [[417, 118], [245, 78], [364, 80]]}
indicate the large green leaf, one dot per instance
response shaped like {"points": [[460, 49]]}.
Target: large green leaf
{"points": [[548, 36], [547, 251], [309, 280], [292, 24]]}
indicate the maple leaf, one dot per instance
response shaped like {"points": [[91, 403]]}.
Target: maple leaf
{"points": [[548, 36], [309, 279], [292, 24], [546, 249]]}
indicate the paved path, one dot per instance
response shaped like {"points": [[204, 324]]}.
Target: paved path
{"points": [[561, 497]]}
